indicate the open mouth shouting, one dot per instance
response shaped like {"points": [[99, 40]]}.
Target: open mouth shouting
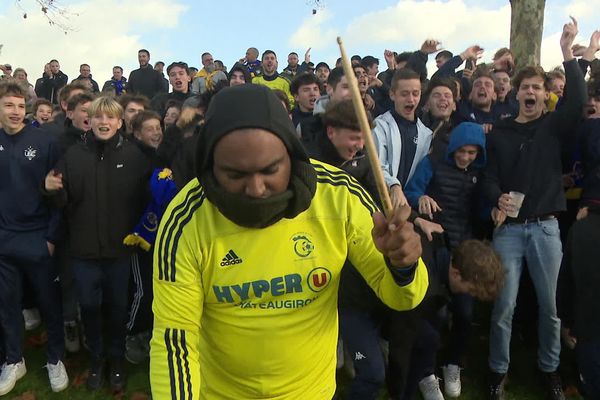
{"points": [[530, 104], [443, 106]]}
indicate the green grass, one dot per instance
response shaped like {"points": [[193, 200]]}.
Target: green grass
{"points": [[35, 384], [523, 384]]}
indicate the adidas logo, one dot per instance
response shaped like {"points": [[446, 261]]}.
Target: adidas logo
{"points": [[230, 259]]}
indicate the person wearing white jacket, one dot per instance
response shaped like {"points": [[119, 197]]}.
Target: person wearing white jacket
{"points": [[401, 138]]}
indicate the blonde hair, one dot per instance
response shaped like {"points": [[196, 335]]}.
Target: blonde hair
{"points": [[105, 105]]}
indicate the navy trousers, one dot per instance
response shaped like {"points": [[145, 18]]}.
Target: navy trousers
{"points": [[24, 255], [103, 281]]}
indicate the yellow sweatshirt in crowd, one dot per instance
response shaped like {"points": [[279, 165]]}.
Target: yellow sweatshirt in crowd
{"points": [[280, 83], [252, 313]]}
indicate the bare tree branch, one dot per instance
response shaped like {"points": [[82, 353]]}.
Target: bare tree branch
{"points": [[56, 14]]}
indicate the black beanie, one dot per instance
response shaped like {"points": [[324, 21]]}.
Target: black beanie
{"points": [[240, 107]]}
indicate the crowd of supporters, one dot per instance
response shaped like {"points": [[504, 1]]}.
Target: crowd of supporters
{"points": [[499, 162]]}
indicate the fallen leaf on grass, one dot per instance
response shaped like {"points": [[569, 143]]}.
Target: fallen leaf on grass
{"points": [[74, 363], [29, 395], [79, 379], [571, 391], [36, 340]]}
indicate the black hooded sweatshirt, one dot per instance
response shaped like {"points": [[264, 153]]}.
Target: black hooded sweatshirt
{"points": [[526, 157], [579, 280]]}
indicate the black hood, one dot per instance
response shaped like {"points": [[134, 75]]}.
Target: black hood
{"points": [[243, 69], [240, 107]]}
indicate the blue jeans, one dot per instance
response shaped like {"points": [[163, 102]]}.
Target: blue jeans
{"points": [[539, 244]]}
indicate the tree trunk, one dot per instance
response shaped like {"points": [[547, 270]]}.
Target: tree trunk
{"points": [[526, 26]]}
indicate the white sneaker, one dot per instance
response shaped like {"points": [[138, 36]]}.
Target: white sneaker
{"points": [[11, 373], [452, 386], [57, 374], [430, 388], [32, 318]]}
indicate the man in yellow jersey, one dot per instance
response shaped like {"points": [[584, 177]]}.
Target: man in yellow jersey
{"points": [[273, 79], [248, 260]]}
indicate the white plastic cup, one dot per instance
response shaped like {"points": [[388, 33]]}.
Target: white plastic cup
{"points": [[516, 203]]}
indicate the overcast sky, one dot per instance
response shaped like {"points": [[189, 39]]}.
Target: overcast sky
{"points": [[109, 32]]}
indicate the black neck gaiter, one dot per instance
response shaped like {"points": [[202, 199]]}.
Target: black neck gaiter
{"points": [[260, 213]]}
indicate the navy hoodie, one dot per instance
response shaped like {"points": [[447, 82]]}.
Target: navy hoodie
{"points": [[25, 160]]}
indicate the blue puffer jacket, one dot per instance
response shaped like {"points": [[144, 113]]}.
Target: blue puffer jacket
{"points": [[451, 187]]}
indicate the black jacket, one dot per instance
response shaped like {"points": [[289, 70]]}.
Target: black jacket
{"points": [[57, 126], [50, 86], [589, 143], [149, 152], [178, 153], [95, 87], [159, 102], [449, 70], [70, 137], [454, 191], [146, 81], [323, 150], [110, 86], [105, 192], [579, 280], [441, 133], [417, 62], [299, 117], [526, 157]]}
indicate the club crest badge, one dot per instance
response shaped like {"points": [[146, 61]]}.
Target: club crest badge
{"points": [[30, 153], [303, 245]]}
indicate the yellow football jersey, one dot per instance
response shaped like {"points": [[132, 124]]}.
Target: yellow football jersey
{"points": [[246, 313]]}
